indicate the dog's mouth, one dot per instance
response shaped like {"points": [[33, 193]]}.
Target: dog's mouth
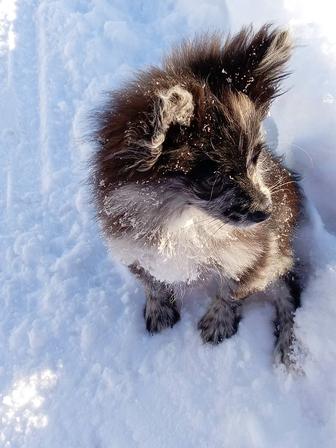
{"points": [[258, 216], [248, 219]]}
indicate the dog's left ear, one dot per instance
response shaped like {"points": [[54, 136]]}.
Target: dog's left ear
{"points": [[256, 63], [249, 62]]}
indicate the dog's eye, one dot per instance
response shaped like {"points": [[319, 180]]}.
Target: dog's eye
{"points": [[204, 171], [255, 156], [210, 187]]}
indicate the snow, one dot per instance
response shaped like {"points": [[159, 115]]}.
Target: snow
{"points": [[77, 368]]}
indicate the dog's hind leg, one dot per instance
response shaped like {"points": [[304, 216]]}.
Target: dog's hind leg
{"points": [[286, 301]]}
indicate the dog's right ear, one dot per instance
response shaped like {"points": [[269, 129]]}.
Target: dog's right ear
{"points": [[135, 123], [170, 106]]}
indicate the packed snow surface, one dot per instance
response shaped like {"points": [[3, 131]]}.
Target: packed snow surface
{"points": [[77, 368]]}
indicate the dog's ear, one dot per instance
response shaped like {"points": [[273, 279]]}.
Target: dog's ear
{"points": [[255, 63], [249, 62], [133, 126], [145, 136]]}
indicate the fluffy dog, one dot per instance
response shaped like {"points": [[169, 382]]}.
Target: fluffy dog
{"points": [[186, 189]]}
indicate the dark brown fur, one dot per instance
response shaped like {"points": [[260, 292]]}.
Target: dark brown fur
{"points": [[188, 135]]}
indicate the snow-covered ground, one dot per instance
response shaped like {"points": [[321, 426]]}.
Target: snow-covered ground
{"points": [[77, 368]]}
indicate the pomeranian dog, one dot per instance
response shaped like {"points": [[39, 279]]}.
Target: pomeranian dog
{"points": [[187, 191]]}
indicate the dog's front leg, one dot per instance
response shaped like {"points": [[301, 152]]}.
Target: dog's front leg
{"points": [[221, 320], [161, 309]]}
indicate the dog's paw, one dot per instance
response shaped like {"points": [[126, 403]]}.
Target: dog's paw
{"points": [[215, 328], [283, 354], [160, 315], [290, 356]]}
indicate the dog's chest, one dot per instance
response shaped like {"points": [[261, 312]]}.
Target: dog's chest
{"points": [[186, 251]]}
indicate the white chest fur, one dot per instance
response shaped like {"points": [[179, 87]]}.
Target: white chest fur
{"points": [[186, 247]]}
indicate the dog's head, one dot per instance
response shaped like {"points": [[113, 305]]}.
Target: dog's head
{"points": [[194, 126]]}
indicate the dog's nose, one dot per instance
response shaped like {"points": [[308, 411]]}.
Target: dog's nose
{"points": [[258, 216]]}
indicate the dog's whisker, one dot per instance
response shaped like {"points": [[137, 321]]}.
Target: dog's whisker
{"points": [[220, 227], [213, 186], [282, 185], [296, 146]]}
